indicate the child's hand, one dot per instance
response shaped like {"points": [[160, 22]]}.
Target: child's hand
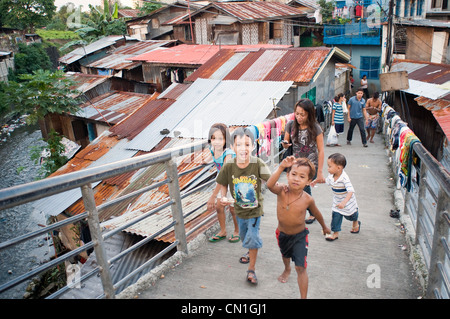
{"points": [[288, 161], [341, 205], [326, 230], [211, 204]]}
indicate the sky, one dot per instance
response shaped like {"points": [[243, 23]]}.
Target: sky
{"points": [[85, 3]]}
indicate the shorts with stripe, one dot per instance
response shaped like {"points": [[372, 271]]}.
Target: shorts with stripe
{"points": [[294, 246]]}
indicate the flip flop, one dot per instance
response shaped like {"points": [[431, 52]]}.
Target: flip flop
{"points": [[251, 277], [359, 227], [329, 238], [234, 239], [216, 238], [245, 259]]}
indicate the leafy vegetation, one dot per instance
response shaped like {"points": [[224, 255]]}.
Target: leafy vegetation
{"points": [[53, 158]]}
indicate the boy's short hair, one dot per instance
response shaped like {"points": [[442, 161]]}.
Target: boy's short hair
{"points": [[338, 159], [305, 162], [242, 131], [360, 89]]}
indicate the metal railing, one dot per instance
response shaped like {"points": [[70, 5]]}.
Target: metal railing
{"points": [[14, 196], [428, 205]]}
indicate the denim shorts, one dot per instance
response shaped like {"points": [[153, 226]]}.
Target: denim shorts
{"points": [[336, 220], [249, 232]]}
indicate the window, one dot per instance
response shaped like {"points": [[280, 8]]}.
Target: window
{"points": [[398, 3], [405, 13], [370, 66], [311, 94], [419, 7], [411, 12]]}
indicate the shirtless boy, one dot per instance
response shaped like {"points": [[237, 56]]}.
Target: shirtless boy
{"points": [[292, 202]]}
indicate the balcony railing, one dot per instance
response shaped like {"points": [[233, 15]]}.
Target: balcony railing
{"points": [[351, 34]]}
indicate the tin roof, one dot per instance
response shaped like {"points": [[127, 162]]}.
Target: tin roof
{"points": [[112, 107], [191, 54], [86, 82], [95, 46], [119, 59], [299, 65], [431, 83], [129, 13], [209, 101], [246, 11], [258, 10]]}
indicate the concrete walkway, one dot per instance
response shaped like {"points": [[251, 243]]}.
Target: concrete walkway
{"points": [[367, 265]]}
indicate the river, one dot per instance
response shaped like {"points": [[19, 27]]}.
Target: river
{"points": [[16, 168]]}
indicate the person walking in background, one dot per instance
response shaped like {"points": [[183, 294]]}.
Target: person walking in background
{"points": [[337, 115], [365, 86], [306, 137], [356, 116], [219, 145], [373, 107]]}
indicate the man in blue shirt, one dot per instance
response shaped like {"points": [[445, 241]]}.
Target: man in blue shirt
{"points": [[357, 115]]}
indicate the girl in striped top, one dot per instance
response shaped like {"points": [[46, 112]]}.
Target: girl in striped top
{"points": [[344, 200], [337, 114]]}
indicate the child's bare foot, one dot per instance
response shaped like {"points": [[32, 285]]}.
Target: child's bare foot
{"points": [[284, 276]]}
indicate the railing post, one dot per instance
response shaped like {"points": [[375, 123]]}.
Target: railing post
{"points": [[176, 207], [274, 147], [438, 254], [420, 199], [96, 234]]}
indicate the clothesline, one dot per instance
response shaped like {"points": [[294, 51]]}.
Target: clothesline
{"points": [[263, 132], [402, 140]]}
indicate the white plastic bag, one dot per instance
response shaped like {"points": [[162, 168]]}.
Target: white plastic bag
{"points": [[344, 107], [332, 136]]}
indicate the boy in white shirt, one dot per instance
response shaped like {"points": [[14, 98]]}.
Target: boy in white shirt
{"points": [[344, 200]]}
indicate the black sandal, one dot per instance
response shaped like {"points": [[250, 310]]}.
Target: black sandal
{"points": [[251, 277], [245, 259]]}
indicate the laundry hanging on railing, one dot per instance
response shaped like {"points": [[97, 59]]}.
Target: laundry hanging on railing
{"points": [[401, 140], [263, 132]]}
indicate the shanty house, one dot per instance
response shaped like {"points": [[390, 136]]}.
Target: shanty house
{"points": [[425, 105], [165, 66], [151, 26], [76, 59], [107, 100], [311, 70], [117, 62], [238, 23]]}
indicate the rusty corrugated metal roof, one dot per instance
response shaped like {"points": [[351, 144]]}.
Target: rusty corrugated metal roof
{"points": [[112, 107], [432, 73], [119, 59], [85, 82], [246, 11], [291, 64], [129, 13], [442, 116], [441, 111], [193, 54], [140, 119], [258, 10]]}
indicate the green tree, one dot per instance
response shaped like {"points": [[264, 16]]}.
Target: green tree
{"points": [[30, 58], [41, 93], [326, 9], [27, 14], [148, 7]]}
